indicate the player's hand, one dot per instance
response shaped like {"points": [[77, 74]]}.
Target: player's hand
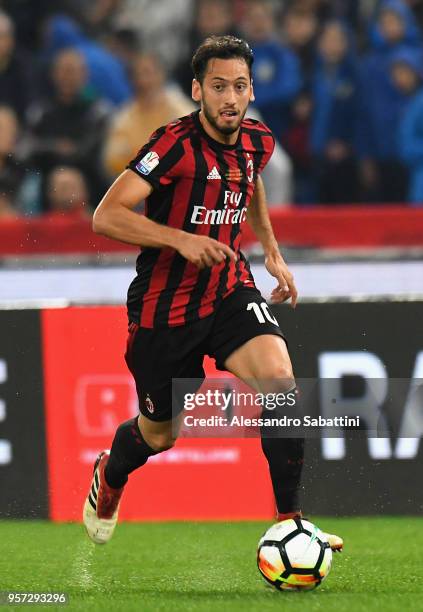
{"points": [[286, 288], [204, 252]]}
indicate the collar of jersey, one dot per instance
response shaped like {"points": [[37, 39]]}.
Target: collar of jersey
{"points": [[214, 143]]}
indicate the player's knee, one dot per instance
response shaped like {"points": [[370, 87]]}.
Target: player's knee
{"points": [[278, 375], [160, 442]]}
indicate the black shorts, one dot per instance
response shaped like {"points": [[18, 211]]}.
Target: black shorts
{"points": [[155, 356]]}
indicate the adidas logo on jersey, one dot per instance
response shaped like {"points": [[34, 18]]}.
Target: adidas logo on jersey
{"points": [[214, 174]]}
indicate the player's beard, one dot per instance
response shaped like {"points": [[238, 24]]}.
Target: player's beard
{"points": [[226, 131]]}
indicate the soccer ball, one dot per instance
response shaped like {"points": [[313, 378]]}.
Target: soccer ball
{"points": [[294, 555]]}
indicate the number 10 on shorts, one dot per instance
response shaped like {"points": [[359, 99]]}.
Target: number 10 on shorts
{"points": [[262, 312]]}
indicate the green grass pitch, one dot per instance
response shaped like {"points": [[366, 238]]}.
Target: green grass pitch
{"points": [[210, 566]]}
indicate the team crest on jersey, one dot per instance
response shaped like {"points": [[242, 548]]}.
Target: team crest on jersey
{"points": [[234, 174], [250, 169], [148, 163], [149, 404]]}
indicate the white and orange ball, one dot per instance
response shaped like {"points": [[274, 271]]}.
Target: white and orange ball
{"points": [[294, 555]]}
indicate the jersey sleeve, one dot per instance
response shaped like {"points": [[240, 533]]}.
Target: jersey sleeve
{"points": [[268, 144], [159, 161]]}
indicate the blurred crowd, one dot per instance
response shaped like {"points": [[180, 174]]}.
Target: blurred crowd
{"points": [[83, 85]]}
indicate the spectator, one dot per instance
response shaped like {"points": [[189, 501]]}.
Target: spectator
{"points": [[7, 210], [276, 70], [393, 29], [299, 32], [28, 18], [411, 129], [211, 17], [67, 193], [406, 70], [106, 74], [347, 10], [154, 105], [97, 16], [163, 26], [14, 177], [15, 70], [68, 128], [297, 144], [335, 116], [125, 44], [394, 26], [417, 8]]}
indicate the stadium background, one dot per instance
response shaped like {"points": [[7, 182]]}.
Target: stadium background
{"points": [[340, 83]]}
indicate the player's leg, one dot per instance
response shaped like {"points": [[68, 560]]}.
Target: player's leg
{"points": [[264, 359], [154, 358], [248, 342], [264, 362], [134, 442]]}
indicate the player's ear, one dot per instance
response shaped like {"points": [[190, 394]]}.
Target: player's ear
{"points": [[196, 91], [252, 96]]}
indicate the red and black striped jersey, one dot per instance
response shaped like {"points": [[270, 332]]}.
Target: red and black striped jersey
{"points": [[202, 187]]}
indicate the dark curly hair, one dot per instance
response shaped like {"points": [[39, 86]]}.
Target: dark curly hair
{"points": [[221, 47]]}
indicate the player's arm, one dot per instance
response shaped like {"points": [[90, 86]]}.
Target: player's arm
{"points": [[259, 220], [115, 218]]}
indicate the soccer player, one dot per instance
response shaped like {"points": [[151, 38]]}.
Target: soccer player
{"points": [[194, 293]]}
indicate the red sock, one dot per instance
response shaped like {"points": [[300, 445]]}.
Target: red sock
{"points": [[284, 516]]}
